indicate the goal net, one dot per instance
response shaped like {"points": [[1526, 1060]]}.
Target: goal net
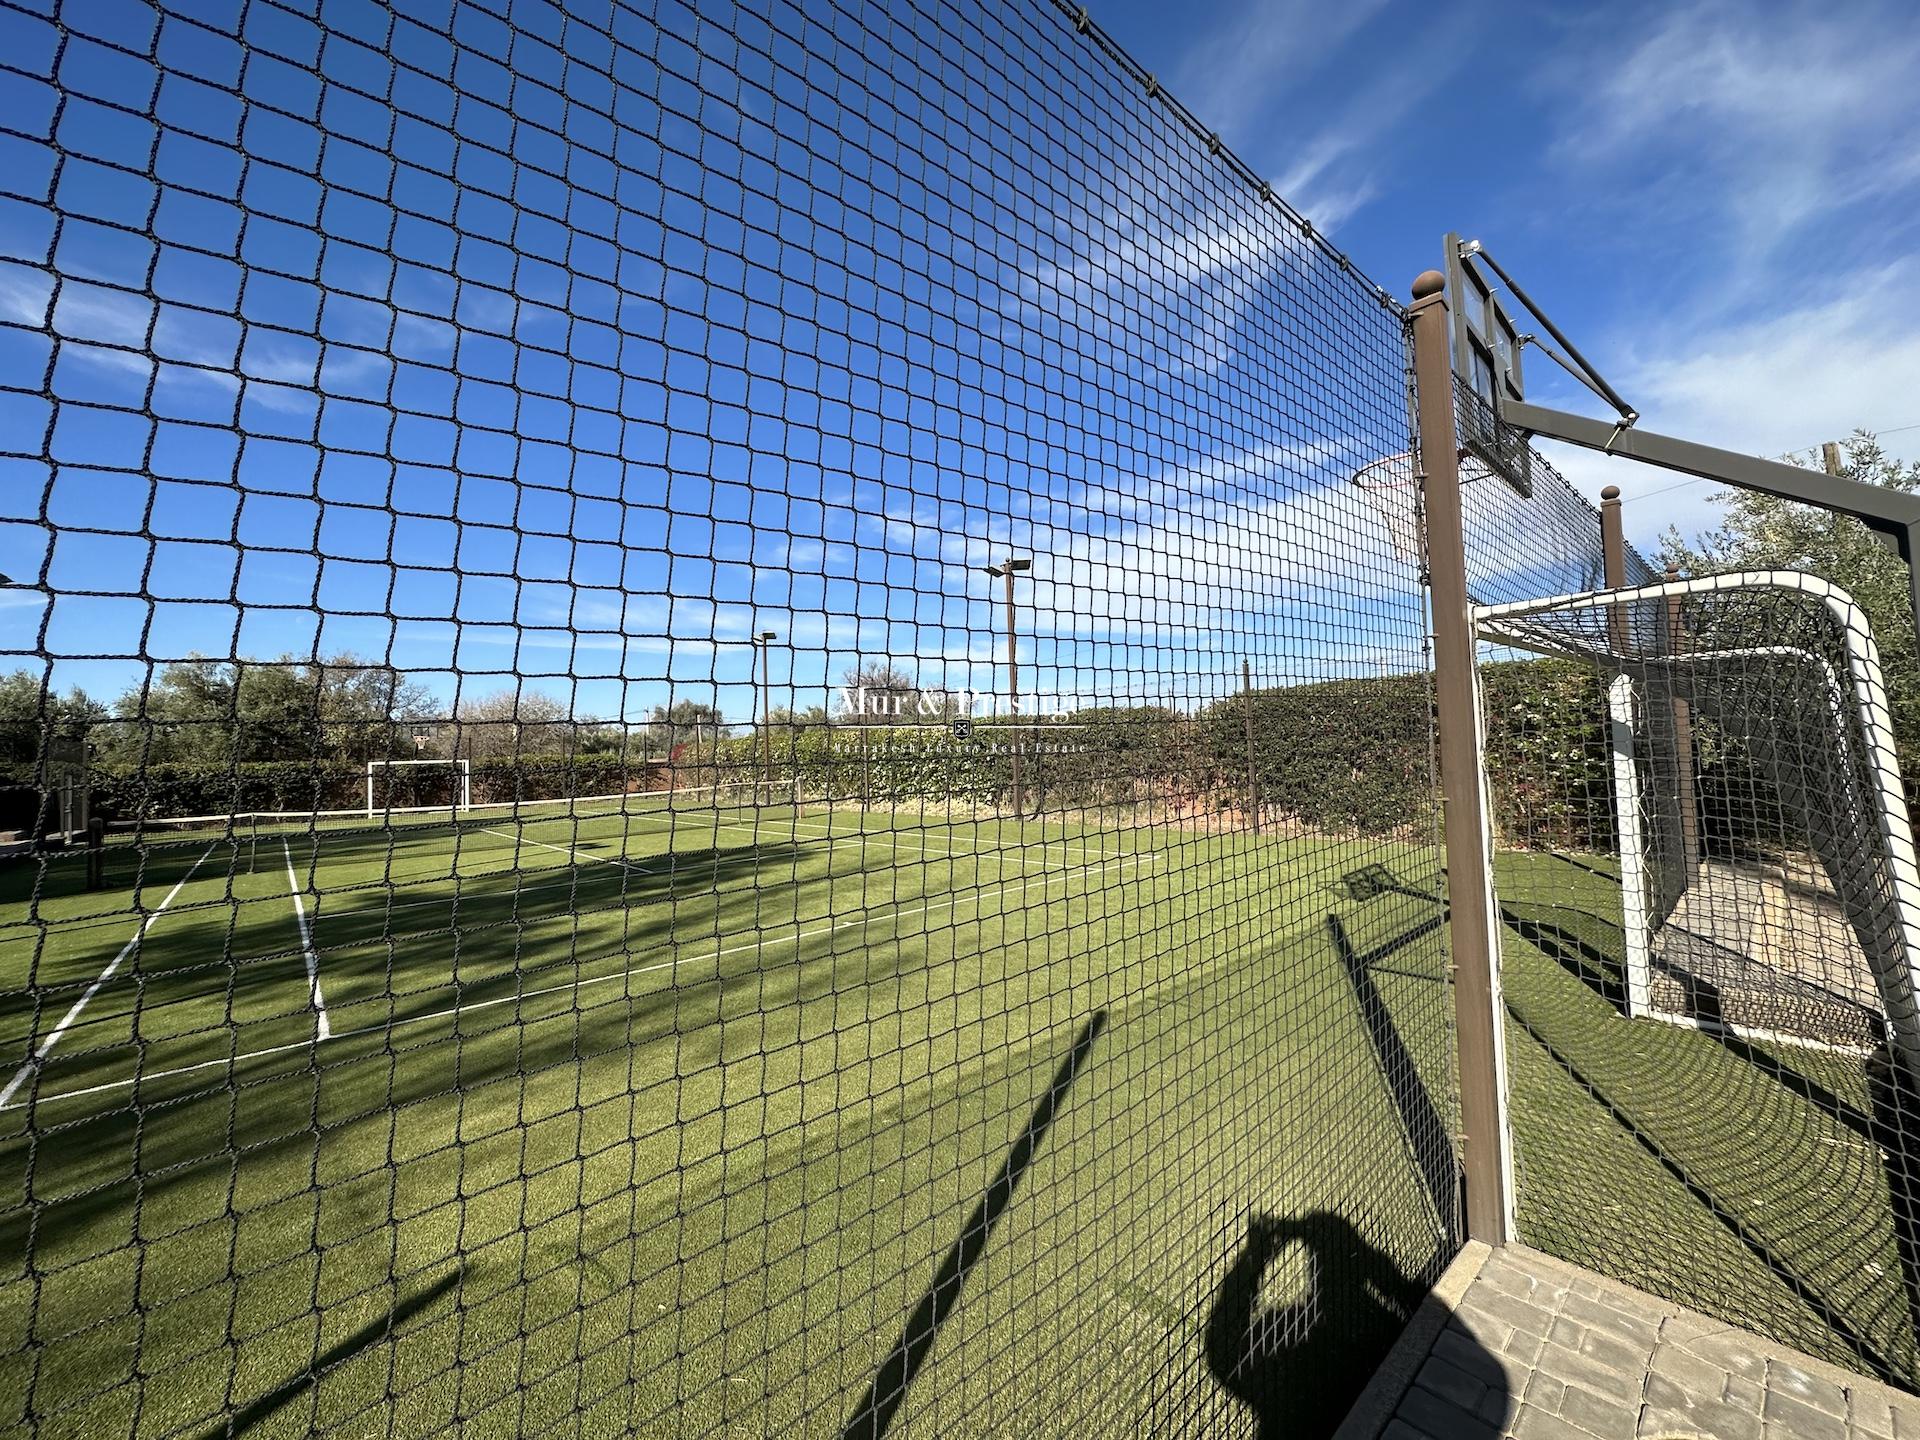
{"points": [[1752, 798], [400, 786]]}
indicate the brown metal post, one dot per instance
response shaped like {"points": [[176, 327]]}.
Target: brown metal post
{"points": [[1683, 743], [1253, 770], [1478, 1012], [1613, 559], [1013, 693]]}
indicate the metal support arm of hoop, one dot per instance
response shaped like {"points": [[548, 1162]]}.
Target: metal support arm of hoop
{"points": [[1893, 514]]}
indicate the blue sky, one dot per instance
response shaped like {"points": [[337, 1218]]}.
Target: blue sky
{"points": [[576, 370], [1717, 200]]}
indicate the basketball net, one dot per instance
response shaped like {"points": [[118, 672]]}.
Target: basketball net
{"points": [[1392, 484]]}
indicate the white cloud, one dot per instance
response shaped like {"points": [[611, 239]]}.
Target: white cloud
{"points": [[1767, 384], [1232, 77], [1742, 130]]}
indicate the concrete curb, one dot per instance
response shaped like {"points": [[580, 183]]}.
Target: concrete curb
{"points": [[1381, 1399]]}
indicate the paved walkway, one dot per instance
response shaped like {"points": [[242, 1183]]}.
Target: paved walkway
{"points": [[1516, 1343]]}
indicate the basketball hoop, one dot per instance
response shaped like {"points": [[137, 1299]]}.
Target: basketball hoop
{"points": [[1392, 483]]}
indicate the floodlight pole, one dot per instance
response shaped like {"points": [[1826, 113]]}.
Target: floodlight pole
{"points": [[1008, 570], [1486, 1146], [763, 647]]}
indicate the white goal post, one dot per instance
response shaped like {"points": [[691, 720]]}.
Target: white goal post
{"points": [[463, 786], [1861, 829]]}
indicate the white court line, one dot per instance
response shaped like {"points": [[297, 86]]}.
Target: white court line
{"points": [[73, 1014], [456, 1011], [306, 946]]}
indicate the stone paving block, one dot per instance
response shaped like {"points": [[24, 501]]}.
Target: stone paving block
{"points": [[1566, 1332], [1640, 1328], [1450, 1382], [1504, 1275], [1512, 1311], [1545, 1425], [1733, 1351], [1523, 1349], [1486, 1330], [1658, 1424], [1869, 1412], [1498, 1406], [1691, 1414], [1697, 1376], [1571, 1368], [1598, 1415], [1742, 1393], [1615, 1353], [1792, 1417], [1463, 1352], [1400, 1430], [1544, 1392], [1424, 1410], [1789, 1379]]}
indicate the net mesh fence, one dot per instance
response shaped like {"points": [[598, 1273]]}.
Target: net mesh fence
{"points": [[821, 986], [1706, 889]]}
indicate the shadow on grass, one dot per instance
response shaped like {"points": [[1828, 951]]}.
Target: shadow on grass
{"points": [[1421, 1124], [89, 1156], [1747, 1235], [884, 1396], [1298, 1366], [380, 1331], [1568, 937]]}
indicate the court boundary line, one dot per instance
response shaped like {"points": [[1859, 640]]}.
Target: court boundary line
{"points": [[319, 1001], [454, 1012], [38, 1056]]}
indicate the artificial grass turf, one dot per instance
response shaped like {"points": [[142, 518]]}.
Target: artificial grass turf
{"points": [[1742, 1178], [702, 1195], [705, 1197]]}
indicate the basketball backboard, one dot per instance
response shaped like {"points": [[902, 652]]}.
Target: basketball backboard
{"points": [[1486, 362]]}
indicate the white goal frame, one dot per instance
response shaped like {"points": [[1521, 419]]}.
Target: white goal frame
{"points": [[461, 768], [1897, 977]]}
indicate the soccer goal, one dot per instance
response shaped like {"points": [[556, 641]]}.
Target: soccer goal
{"points": [[459, 787], [1766, 859]]}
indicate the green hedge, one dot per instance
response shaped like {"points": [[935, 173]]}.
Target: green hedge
{"points": [[169, 789], [1340, 757]]}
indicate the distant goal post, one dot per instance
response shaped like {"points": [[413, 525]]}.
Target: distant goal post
{"points": [[460, 770]]}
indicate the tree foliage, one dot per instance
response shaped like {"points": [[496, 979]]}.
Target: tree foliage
{"points": [[221, 713], [1763, 532]]}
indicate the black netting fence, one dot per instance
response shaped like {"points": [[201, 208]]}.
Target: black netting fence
{"points": [[1708, 932], [745, 764]]}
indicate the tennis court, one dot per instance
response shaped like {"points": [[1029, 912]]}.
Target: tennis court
{"points": [[595, 1082]]}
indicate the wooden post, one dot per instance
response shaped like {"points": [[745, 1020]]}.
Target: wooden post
{"points": [[1479, 1014], [1253, 770], [1613, 559]]}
